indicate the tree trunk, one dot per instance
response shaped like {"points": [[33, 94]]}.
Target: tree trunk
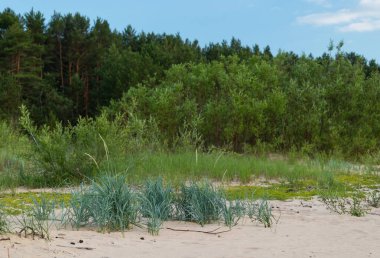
{"points": [[61, 63], [86, 94], [70, 79], [18, 63], [77, 66]]}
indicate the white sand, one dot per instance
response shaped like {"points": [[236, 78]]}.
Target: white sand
{"points": [[301, 232]]}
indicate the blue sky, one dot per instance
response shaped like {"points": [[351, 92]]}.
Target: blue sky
{"points": [[297, 25]]}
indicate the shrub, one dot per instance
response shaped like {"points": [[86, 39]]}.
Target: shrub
{"points": [[59, 153]]}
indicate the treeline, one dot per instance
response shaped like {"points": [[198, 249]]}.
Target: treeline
{"points": [[223, 95]]}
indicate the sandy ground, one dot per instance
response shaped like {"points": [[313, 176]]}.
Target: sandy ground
{"points": [[305, 229]]}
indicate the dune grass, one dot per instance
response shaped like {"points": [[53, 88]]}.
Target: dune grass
{"points": [[111, 203], [64, 156], [156, 203], [275, 178], [218, 165], [226, 167]]}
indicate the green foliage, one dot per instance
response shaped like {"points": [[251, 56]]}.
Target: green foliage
{"points": [[59, 153], [150, 95], [10, 97], [13, 148], [254, 103], [225, 94]]}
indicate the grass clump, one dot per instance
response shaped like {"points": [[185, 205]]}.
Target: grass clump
{"points": [[109, 204], [43, 208], [156, 204], [78, 209], [260, 210], [38, 219], [112, 203], [264, 214], [200, 203], [232, 212], [204, 203]]}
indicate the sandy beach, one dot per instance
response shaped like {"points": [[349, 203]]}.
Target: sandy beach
{"points": [[305, 229]]}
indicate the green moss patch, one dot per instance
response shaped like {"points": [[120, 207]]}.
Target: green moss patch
{"points": [[15, 204], [360, 180], [273, 192]]}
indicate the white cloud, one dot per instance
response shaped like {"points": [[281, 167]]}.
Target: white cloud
{"points": [[320, 19], [323, 3], [361, 26], [370, 3], [364, 17]]}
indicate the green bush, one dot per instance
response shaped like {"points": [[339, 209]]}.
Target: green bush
{"points": [[59, 153]]}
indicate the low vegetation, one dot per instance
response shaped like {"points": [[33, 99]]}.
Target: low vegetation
{"points": [[38, 220], [156, 204], [151, 127], [3, 221], [110, 204], [355, 205], [61, 156], [373, 199]]}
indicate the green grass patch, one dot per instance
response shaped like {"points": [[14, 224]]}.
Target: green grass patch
{"points": [[285, 191], [273, 192], [221, 166], [14, 204], [360, 180]]}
